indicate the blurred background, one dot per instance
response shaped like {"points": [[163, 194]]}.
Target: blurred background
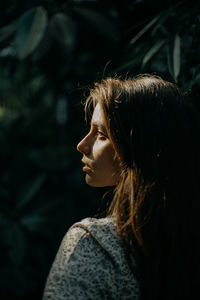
{"points": [[50, 53]]}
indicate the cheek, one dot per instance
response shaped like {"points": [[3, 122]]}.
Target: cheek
{"points": [[102, 152], [106, 169], [105, 158]]}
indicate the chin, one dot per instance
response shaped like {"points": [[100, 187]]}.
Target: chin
{"points": [[96, 183]]}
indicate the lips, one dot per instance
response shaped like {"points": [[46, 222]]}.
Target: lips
{"points": [[86, 169], [86, 166]]}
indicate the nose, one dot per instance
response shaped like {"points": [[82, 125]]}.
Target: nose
{"points": [[83, 146]]}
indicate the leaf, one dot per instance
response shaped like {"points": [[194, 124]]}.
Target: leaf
{"points": [[33, 222], [8, 30], [30, 31], [152, 52], [141, 32], [164, 15], [98, 21], [63, 29], [194, 81], [129, 64], [173, 57], [169, 61], [32, 190], [44, 45], [176, 55]]}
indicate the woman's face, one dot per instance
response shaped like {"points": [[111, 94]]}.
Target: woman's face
{"points": [[100, 165]]}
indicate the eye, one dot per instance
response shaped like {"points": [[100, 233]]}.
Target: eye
{"points": [[100, 135]]}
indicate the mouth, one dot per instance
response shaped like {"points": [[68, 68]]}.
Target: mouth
{"points": [[86, 167]]}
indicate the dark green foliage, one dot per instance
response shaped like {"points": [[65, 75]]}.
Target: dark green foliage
{"points": [[49, 52]]}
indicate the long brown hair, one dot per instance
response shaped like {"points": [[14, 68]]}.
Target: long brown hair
{"points": [[155, 133]]}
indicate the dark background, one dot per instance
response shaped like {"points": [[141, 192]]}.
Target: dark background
{"points": [[50, 53]]}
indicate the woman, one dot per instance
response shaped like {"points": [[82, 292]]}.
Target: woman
{"points": [[143, 142]]}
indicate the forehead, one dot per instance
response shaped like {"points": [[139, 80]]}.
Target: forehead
{"points": [[98, 116]]}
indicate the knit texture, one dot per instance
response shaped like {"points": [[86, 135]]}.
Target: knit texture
{"points": [[91, 264]]}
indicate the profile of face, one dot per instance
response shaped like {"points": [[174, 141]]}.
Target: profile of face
{"points": [[100, 164]]}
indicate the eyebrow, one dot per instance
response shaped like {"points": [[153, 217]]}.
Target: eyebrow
{"points": [[96, 124]]}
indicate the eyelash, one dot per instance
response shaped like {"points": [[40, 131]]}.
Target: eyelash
{"points": [[100, 134]]}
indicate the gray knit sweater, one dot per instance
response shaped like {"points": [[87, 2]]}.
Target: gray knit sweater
{"points": [[91, 264]]}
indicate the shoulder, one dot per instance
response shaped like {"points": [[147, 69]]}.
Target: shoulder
{"points": [[102, 231], [90, 262], [91, 234], [99, 242], [99, 228]]}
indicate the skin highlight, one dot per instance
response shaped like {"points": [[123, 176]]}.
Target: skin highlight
{"points": [[100, 164]]}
